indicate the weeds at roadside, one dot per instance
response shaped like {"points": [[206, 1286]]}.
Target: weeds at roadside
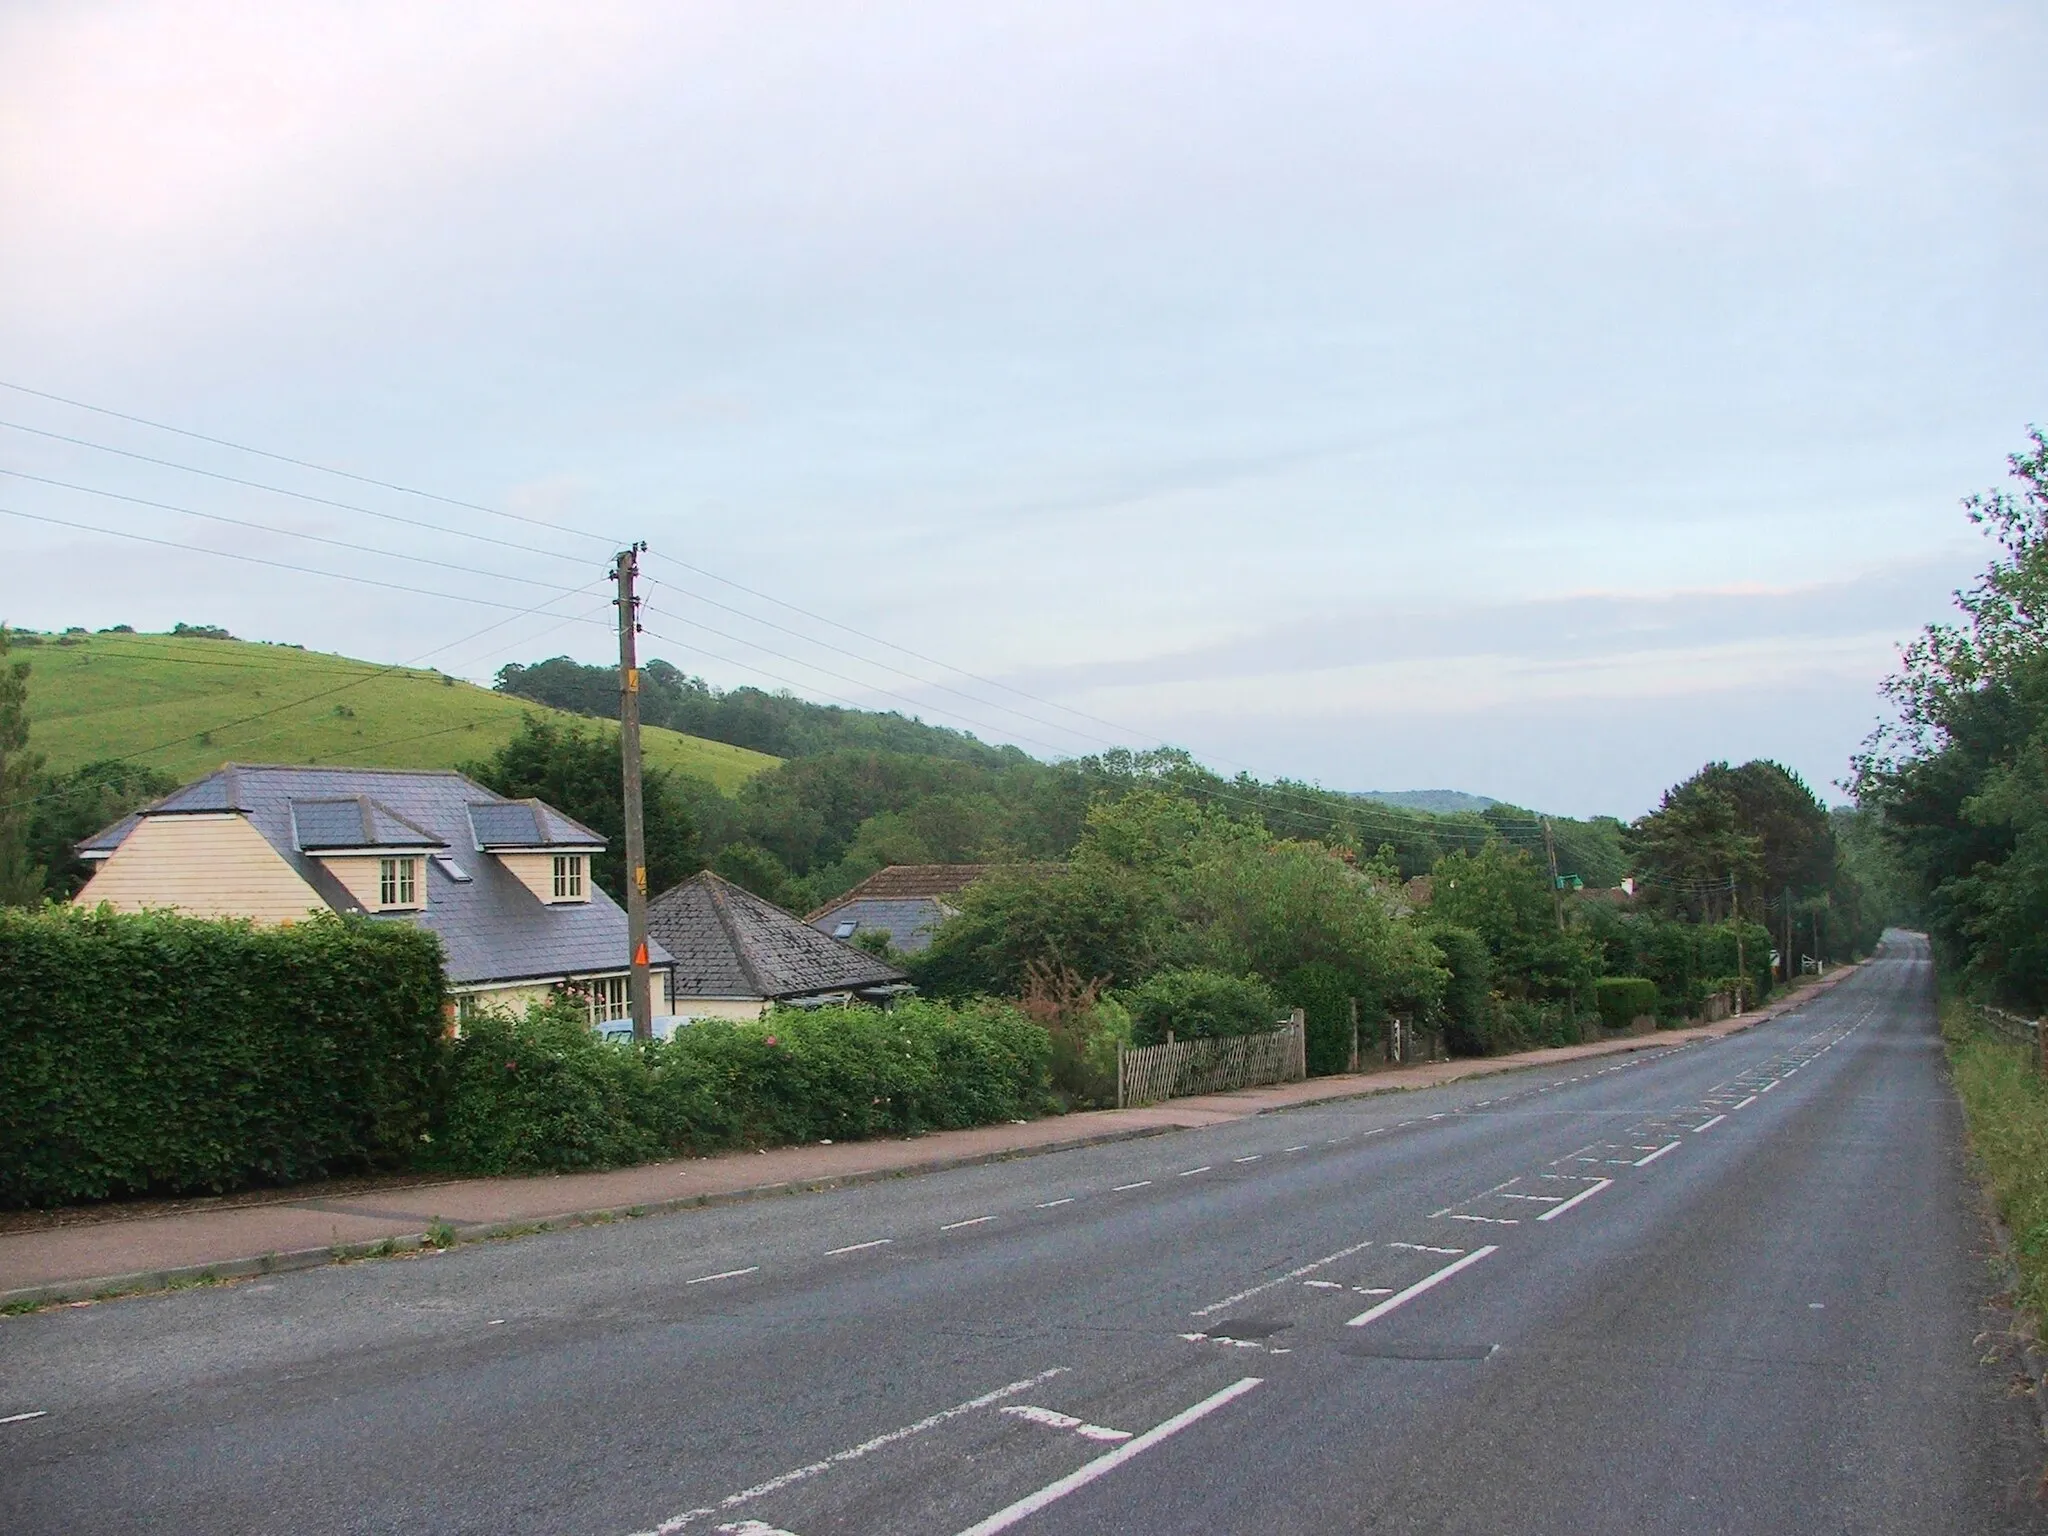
{"points": [[2005, 1107]]}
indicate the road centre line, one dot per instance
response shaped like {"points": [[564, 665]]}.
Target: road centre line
{"points": [[776, 1484], [972, 1221], [17, 1418], [1644, 1162], [1767, 1087], [1252, 1159], [1189, 1173], [1046, 1205], [1119, 1189], [1709, 1125], [1030, 1504], [727, 1274], [1293, 1274], [880, 1242], [1747, 1102], [1582, 1196], [1427, 1282]]}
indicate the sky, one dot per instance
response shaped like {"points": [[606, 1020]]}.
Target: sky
{"points": [[1534, 400]]}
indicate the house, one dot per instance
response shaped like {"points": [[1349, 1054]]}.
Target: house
{"points": [[735, 954], [905, 901], [504, 884]]}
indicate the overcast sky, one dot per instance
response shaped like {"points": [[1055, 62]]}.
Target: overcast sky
{"points": [[1532, 400]]}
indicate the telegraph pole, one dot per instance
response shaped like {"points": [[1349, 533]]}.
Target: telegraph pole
{"points": [[1735, 917], [1556, 889], [640, 989]]}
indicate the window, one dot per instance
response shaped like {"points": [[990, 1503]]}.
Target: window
{"points": [[845, 928], [398, 882], [607, 999], [568, 877]]}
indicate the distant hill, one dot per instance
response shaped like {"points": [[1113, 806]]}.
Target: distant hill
{"points": [[776, 723], [1441, 802], [112, 695]]}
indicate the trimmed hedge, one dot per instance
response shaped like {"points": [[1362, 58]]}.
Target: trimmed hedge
{"points": [[157, 1054], [1624, 999], [1197, 1003], [545, 1092]]}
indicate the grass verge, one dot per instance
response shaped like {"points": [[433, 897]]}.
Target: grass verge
{"points": [[2005, 1105]]}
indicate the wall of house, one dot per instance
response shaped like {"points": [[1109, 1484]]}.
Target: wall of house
{"points": [[360, 875], [743, 1009], [205, 866], [514, 999], [536, 871]]}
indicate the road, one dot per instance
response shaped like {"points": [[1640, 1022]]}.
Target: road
{"points": [[1732, 1287]]}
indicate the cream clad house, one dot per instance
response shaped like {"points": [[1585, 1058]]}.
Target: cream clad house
{"points": [[504, 884]]}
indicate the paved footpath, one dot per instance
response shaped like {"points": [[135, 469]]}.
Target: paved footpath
{"points": [[88, 1254]]}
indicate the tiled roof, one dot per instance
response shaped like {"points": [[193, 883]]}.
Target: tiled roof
{"points": [[728, 942], [904, 882], [355, 822], [491, 927], [527, 824]]}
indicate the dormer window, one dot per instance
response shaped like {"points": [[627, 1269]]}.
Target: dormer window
{"points": [[398, 883], [568, 877]]}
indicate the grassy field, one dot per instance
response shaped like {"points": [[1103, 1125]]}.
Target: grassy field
{"points": [[184, 706], [2005, 1105]]}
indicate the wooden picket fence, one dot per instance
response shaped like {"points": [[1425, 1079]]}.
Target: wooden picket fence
{"points": [[1180, 1068]]}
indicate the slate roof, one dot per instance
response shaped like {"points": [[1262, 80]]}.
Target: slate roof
{"points": [[728, 942], [491, 927], [355, 822], [527, 824], [905, 901]]}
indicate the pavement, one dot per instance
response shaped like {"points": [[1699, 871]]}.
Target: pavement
{"points": [[97, 1252], [1741, 1285]]}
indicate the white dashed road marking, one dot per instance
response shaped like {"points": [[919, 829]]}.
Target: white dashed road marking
{"points": [[880, 1242], [724, 1274], [1583, 1195], [1427, 1282]]}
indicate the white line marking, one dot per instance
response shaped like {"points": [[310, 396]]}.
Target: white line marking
{"points": [[1747, 1102], [727, 1274], [1373, 1290], [1325, 1285], [16, 1418], [1378, 1130], [1546, 1199], [1293, 1274], [1585, 1194], [1427, 1282], [1052, 1418], [1424, 1248], [1302, 1148], [1047, 1205], [1644, 1162], [675, 1523], [1031, 1504], [1252, 1159], [1709, 1125], [880, 1242], [496, 1322], [1498, 1221], [972, 1221], [1189, 1173], [1767, 1087], [1119, 1189], [1482, 1104], [753, 1528]]}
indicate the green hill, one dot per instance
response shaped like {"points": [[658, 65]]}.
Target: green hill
{"points": [[171, 701]]}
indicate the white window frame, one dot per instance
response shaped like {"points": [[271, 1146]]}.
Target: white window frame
{"points": [[568, 877], [398, 883], [607, 999]]}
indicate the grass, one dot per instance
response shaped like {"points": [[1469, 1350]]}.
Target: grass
{"points": [[167, 700], [2005, 1105]]}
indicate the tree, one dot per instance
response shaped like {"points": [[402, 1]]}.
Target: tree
{"points": [[21, 881], [581, 774], [73, 806]]}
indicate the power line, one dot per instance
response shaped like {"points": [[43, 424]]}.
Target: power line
{"points": [[288, 533], [280, 490], [325, 469]]}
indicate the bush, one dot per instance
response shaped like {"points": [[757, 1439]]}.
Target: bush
{"points": [[151, 1053], [1325, 993], [1624, 999], [1197, 1003], [545, 1092], [1468, 1009]]}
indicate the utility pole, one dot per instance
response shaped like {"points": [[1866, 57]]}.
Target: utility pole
{"points": [[1735, 917], [639, 988], [1556, 890], [1788, 935]]}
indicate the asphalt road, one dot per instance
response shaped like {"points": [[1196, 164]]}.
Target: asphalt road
{"points": [[1732, 1287]]}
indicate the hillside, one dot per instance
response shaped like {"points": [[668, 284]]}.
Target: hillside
{"points": [[112, 695], [1438, 802]]}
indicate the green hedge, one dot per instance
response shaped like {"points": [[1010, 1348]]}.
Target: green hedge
{"points": [[544, 1092], [1624, 999], [1196, 1003], [161, 1054]]}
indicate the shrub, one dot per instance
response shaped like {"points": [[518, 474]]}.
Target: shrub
{"points": [[1623, 999], [1196, 1003], [1325, 994], [152, 1053], [545, 1092]]}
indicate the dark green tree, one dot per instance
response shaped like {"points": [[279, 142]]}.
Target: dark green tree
{"points": [[21, 879]]}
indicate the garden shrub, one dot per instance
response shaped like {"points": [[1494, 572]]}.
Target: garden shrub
{"points": [[1325, 993], [1197, 1003], [1622, 1000], [153, 1053]]}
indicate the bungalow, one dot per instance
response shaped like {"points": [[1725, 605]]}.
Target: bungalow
{"points": [[735, 954], [504, 884], [905, 901]]}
